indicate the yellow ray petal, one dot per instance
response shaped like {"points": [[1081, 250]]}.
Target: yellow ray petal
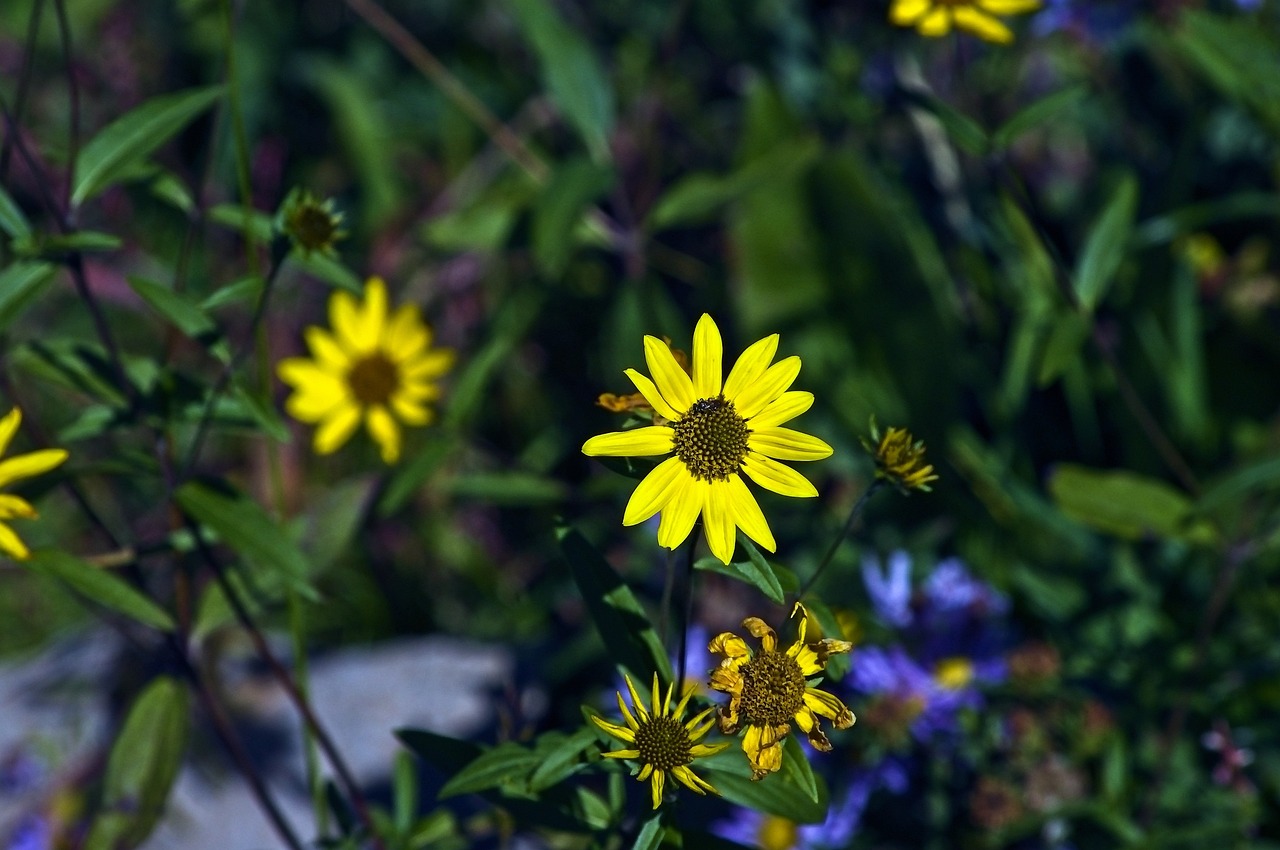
{"points": [[626, 713], [372, 314], [982, 25], [786, 407], [655, 491], [15, 507], [1008, 7], [675, 386], [702, 750], [638, 442], [688, 779], [730, 646], [769, 386], [708, 351], [29, 464], [750, 366], [786, 444], [656, 781], [649, 390], [385, 432], [935, 24], [410, 412], [8, 427], [681, 511], [717, 517], [641, 711], [779, 478], [430, 365], [337, 429], [907, 12], [11, 544], [327, 352], [747, 514], [622, 754], [622, 733], [405, 335], [763, 632], [828, 705], [344, 318], [760, 743]]}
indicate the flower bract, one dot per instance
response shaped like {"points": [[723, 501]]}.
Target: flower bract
{"points": [[768, 690], [936, 18], [311, 225], [716, 429], [660, 742], [15, 469], [373, 367]]}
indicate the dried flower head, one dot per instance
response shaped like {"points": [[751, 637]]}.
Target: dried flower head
{"points": [[311, 225], [899, 458]]}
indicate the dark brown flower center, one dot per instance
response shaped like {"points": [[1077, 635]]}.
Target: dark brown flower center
{"points": [[313, 226], [772, 688], [664, 743], [711, 439], [373, 379]]}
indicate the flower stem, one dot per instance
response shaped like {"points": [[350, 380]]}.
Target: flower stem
{"points": [[844, 532]]}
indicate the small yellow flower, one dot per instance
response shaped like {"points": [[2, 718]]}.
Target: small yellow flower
{"points": [[15, 469], [768, 690], [953, 674], [900, 458], [935, 18], [310, 224], [660, 741], [374, 367], [717, 429]]}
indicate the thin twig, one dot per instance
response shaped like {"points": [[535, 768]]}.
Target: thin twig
{"points": [[73, 91], [24, 83], [854, 513]]}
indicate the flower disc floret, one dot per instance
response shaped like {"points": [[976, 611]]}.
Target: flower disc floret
{"points": [[772, 688], [664, 743], [711, 439]]}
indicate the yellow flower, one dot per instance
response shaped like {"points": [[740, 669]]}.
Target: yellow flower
{"points": [[953, 674], [900, 458], [14, 469], [374, 367], [660, 741], [935, 18], [310, 224], [768, 690], [717, 430]]}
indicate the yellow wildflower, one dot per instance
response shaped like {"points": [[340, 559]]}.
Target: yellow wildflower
{"points": [[311, 224], [15, 469], [900, 458], [935, 18]]}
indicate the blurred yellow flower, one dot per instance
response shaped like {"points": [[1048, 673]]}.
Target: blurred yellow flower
{"points": [[717, 430], [15, 469], [768, 690], [311, 224], [900, 458], [373, 367], [660, 741], [935, 18]]}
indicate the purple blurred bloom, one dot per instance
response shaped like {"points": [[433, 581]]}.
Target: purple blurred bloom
{"points": [[951, 588], [891, 593], [20, 772], [1085, 19], [33, 833], [933, 707]]}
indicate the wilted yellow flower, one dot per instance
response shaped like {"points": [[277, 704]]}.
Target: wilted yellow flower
{"points": [[311, 224], [660, 741], [374, 367], [900, 458], [768, 690], [717, 430], [935, 18], [15, 469]]}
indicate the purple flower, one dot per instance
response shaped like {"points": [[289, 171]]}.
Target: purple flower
{"points": [[951, 588], [20, 772], [33, 833], [890, 594], [930, 701]]}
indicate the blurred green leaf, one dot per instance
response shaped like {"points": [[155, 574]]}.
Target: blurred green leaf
{"points": [[1237, 56], [143, 764], [53, 245], [1126, 504], [128, 140], [1036, 113], [449, 755], [794, 792], [572, 73], [1241, 206], [963, 130], [1105, 246], [412, 474], [651, 834], [1253, 477], [242, 524], [557, 213], [185, 314], [507, 488], [243, 291], [514, 318], [405, 792], [100, 586], [12, 221], [329, 270], [167, 187], [623, 625], [259, 225], [255, 408], [561, 760], [755, 571], [332, 521], [505, 763], [20, 284], [1062, 347]]}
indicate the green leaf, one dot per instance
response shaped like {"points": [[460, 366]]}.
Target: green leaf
{"points": [[258, 410], [56, 245], [405, 798], [329, 270], [1036, 113], [1126, 504], [128, 140], [242, 524], [651, 834], [963, 130], [1253, 477], [247, 290], [623, 625], [1062, 347], [185, 315], [504, 764], [558, 212], [516, 315], [143, 764], [411, 476], [561, 760], [794, 792], [508, 488], [1242, 206], [755, 571], [1104, 248], [12, 221], [20, 283], [571, 73], [102, 587], [259, 225], [449, 755]]}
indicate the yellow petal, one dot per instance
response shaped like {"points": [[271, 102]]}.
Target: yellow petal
{"points": [[641, 712], [12, 545], [717, 517], [326, 351], [433, 364], [658, 709], [29, 464], [1008, 7], [8, 427], [806, 659], [385, 432], [935, 24], [649, 390], [372, 315], [622, 733], [691, 780], [982, 25], [730, 646], [316, 398], [703, 750], [673, 383], [681, 511], [786, 444], [760, 743], [786, 407], [622, 754], [655, 491], [907, 12], [405, 334], [828, 705], [638, 442], [708, 351], [750, 366], [645, 772], [656, 781], [779, 478], [763, 632], [626, 713], [410, 412], [747, 514], [769, 386], [15, 507], [337, 429], [344, 318]]}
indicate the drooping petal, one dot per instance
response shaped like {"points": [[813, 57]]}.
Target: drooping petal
{"points": [[622, 733], [11, 544], [982, 25], [385, 432], [769, 386], [681, 511], [337, 429], [751, 364], [817, 738], [907, 12], [747, 514], [779, 478], [654, 491], [691, 780], [15, 507], [935, 24], [676, 386], [638, 442], [763, 632], [8, 427], [731, 647], [783, 409], [760, 743], [656, 781], [29, 464], [829, 705], [708, 352], [786, 444], [718, 521], [1008, 7], [325, 349], [649, 390]]}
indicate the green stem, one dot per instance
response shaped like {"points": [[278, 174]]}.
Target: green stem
{"points": [[844, 532]]}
